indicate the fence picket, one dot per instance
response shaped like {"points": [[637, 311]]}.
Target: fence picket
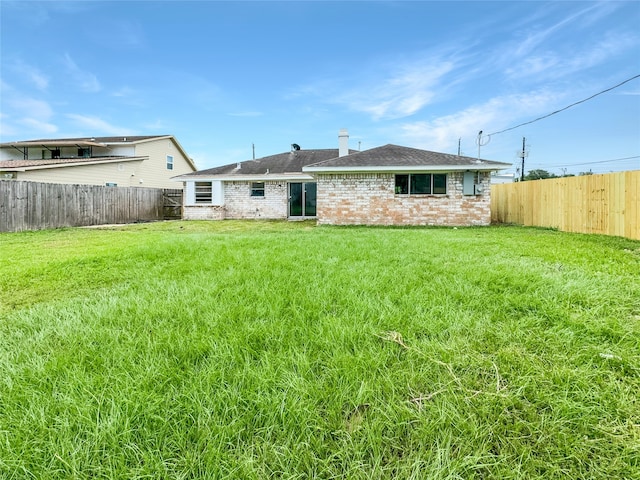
{"points": [[606, 203], [36, 206]]}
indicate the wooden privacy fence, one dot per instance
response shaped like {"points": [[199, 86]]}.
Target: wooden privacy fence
{"points": [[608, 204], [36, 206]]}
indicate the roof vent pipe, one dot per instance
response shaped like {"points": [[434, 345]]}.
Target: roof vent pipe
{"points": [[343, 142]]}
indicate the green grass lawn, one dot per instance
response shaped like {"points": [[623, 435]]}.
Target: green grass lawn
{"points": [[185, 350]]}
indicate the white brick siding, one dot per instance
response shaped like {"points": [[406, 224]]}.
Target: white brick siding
{"points": [[239, 204], [203, 212]]}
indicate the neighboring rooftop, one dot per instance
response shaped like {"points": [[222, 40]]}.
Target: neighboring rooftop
{"points": [[96, 141], [19, 165]]}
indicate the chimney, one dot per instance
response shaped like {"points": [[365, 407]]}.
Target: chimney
{"points": [[343, 142]]}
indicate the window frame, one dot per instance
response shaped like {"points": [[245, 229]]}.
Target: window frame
{"points": [[200, 196], [169, 162], [257, 189], [410, 183]]}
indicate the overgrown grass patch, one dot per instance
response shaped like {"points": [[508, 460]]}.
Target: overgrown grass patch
{"points": [[273, 349]]}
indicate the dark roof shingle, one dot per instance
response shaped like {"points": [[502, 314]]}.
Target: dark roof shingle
{"points": [[398, 156], [289, 162]]}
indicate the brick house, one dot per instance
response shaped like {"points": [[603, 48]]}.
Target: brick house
{"points": [[388, 185]]}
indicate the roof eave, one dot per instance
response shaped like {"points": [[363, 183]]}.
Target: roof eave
{"points": [[408, 168], [71, 164], [258, 177], [53, 143]]}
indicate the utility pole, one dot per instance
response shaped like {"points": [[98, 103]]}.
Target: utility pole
{"points": [[459, 140], [253, 147], [523, 154]]}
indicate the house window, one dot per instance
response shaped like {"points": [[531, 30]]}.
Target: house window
{"points": [[421, 184], [169, 162], [439, 183], [257, 189], [203, 192], [55, 153], [84, 152]]}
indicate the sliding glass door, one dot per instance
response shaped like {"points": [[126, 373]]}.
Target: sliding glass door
{"points": [[302, 199]]}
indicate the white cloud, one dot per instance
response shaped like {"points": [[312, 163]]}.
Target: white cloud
{"points": [[391, 88], [6, 128], [535, 65], [613, 45], [245, 114], [31, 107], [97, 125], [25, 116], [535, 39], [37, 125], [123, 92], [31, 75], [442, 134], [157, 126], [87, 81], [411, 87], [558, 64]]}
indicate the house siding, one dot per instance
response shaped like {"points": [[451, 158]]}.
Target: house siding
{"points": [[369, 199], [154, 172], [121, 173]]}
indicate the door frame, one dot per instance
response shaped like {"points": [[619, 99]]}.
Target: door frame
{"points": [[304, 201]]}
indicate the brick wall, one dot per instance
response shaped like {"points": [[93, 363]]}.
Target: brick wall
{"points": [[239, 204], [369, 199], [203, 212]]}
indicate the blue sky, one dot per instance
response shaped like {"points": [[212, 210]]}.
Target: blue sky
{"points": [[223, 76]]}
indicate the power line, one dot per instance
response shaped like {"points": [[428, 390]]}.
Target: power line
{"points": [[600, 161], [537, 165], [567, 107]]}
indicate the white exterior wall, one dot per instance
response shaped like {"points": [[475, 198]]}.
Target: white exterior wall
{"points": [[370, 199]]}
